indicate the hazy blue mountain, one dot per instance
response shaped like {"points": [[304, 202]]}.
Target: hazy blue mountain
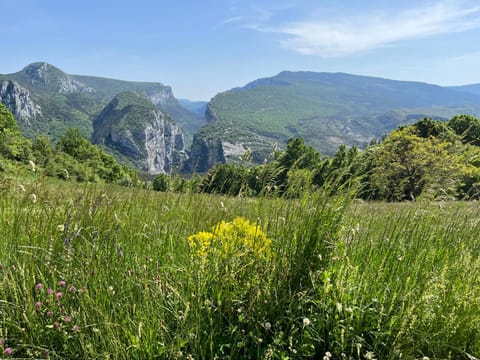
{"points": [[196, 107], [472, 89]]}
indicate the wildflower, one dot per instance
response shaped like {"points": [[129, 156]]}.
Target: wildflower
{"points": [[59, 295], [56, 325], [38, 304], [67, 318], [62, 283], [32, 165], [49, 313], [61, 227], [50, 291], [8, 351], [34, 198], [72, 289], [38, 286], [306, 322], [75, 328], [21, 187], [267, 326], [328, 354]]}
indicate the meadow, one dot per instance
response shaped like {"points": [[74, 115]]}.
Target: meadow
{"points": [[103, 272]]}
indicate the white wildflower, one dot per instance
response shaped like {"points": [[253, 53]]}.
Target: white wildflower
{"points": [[306, 322]]}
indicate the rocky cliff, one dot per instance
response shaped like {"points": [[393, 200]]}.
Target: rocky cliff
{"points": [[44, 75], [17, 99], [135, 130]]}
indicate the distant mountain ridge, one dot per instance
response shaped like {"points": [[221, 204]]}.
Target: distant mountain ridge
{"points": [[326, 109], [62, 100]]}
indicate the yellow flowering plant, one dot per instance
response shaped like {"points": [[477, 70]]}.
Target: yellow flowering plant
{"points": [[232, 239]]}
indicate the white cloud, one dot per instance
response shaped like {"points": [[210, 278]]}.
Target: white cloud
{"points": [[350, 35]]}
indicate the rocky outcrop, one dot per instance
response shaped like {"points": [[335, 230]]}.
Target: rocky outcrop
{"points": [[45, 75], [162, 97], [18, 100], [131, 126], [206, 151], [164, 144]]}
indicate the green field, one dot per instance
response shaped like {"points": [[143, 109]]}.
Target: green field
{"points": [[94, 272]]}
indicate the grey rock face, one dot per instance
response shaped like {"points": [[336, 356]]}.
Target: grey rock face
{"points": [[141, 133], [47, 75], [163, 141], [204, 154], [163, 97], [17, 99]]}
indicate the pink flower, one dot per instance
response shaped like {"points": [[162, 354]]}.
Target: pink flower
{"points": [[8, 351], [38, 304], [72, 289], [56, 325], [75, 328], [49, 314], [59, 295], [50, 291], [67, 318], [62, 283], [38, 286]]}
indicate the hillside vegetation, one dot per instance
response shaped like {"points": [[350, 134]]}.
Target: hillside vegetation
{"points": [[430, 159], [328, 110]]}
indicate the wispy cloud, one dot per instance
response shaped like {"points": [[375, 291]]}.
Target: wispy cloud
{"points": [[356, 34]]}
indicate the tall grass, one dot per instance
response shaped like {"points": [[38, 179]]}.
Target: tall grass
{"points": [[344, 280]]}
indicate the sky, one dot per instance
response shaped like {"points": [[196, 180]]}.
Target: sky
{"points": [[203, 47]]}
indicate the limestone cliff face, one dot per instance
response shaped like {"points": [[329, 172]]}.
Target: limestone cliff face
{"points": [[162, 97], [164, 144], [206, 151], [140, 133], [18, 100], [48, 76]]}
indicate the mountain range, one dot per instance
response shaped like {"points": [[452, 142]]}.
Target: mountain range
{"points": [[144, 125]]}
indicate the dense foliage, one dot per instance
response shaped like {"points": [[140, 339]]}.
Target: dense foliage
{"points": [[73, 157], [429, 158]]}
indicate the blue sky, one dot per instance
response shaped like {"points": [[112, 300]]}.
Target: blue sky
{"points": [[204, 47]]}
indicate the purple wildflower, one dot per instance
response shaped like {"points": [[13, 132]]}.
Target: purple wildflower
{"points": [[39, 286], [59, 295], [62, 283], [72, 289], [75, 328], [38, 304], [50, 291], [67, 318], [8, 351], [49, 313]]}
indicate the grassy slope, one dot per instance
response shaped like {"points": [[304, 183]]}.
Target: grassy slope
{"points": [[383, 281]]}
